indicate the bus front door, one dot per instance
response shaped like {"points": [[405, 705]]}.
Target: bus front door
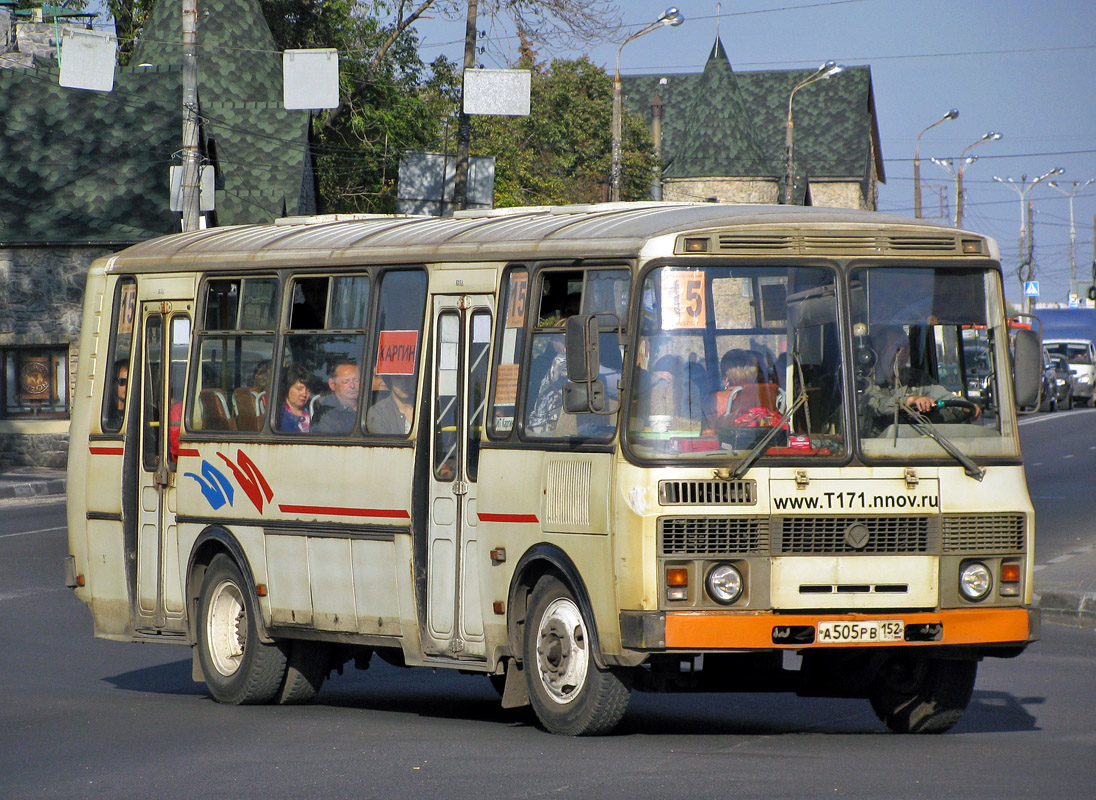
{"points": [[165, 343], [462, 339]]}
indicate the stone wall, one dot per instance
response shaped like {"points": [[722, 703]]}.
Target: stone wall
{"points": [[41, 296], [834, 194]]}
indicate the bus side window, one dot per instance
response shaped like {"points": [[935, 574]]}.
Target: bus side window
{"points": [[320, 380], [504, 391], [116, 390], [395, 369], [235, 354]]}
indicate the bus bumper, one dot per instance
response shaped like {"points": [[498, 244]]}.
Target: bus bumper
{"points": [[716, 630]]}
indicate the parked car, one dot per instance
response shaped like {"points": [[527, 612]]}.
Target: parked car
{"points": [[1048, 396], [1063, 380], [1081, 355]]}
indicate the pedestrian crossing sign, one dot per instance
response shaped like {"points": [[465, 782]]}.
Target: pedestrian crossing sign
{"points": [[1031, 288]]}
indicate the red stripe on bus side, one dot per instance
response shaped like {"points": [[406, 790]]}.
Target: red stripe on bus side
{"points": [[335, 511], [106, 451], [188, 452], [507, 517]]}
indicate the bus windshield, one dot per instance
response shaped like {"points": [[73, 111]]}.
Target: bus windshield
{"points": [[928, 363], [727, 356]]}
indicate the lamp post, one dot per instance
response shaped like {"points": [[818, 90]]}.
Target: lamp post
{"points": [[917, 161], [1026, 269], [824, 72], [1072, 231], [671, 16], [964, 161], [990, 136]]}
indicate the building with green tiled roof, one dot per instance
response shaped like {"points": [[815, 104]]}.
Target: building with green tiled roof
{"points": [[84, 173], [723, 134]]}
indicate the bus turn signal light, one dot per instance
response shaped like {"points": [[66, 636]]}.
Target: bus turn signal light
{"points": [[1010, 579], [677, 583]]}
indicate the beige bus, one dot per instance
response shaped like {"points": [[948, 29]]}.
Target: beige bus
{"points": [[584, 451]]}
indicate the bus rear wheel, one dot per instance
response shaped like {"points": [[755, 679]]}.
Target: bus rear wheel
{"points": [[570, 693], [922, 695], [239, 668]]}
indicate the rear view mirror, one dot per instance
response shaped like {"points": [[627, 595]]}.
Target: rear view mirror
{"points": [[1027, 367], [583, 358]]}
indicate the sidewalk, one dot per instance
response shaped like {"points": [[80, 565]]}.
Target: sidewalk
{"points": [[1065, 588]]}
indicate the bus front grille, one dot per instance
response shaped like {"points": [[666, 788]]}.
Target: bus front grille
{"points": [[984, 533], [711, 536], [850, 535]]}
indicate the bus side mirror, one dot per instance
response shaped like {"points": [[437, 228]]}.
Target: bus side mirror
{"points": [[1027, 367], [583, 392]]}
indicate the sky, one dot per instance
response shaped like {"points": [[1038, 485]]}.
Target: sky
{"points": [[1024, 69], [1021, 68]]}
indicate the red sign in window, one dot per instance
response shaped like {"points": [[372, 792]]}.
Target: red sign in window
{"points": [[397, 352]]}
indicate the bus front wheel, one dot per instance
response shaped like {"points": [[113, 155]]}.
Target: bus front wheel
{"points": [[922, 695], [570, 693], [238, 667]]}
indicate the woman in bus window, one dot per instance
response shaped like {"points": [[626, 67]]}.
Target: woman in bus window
{"points": [[293, 416]]}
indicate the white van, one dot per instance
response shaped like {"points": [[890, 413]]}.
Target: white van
{"points": [[1081, 356]]}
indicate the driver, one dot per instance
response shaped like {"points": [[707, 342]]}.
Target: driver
{"points": [[895, 382]]}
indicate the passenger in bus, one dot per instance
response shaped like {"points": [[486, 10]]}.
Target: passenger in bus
{"points": [[121, 386], [393, 414], [548, 404], [747, 398], [293, 415], [896, 382], [338, 411]]}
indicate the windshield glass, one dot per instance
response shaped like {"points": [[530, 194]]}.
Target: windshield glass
{"points": [[723, 352], [926, 352]]}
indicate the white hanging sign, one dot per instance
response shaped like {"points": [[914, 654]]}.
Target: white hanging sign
{"points": [[310, 78], [87, 59]]}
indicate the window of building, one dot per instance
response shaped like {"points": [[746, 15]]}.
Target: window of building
{"points": [[35, 383]]}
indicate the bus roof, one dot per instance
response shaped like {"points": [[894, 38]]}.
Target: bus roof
{"points": [[590, 231]]}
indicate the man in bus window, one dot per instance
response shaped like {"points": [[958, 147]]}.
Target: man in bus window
{"points": [[121, 386], [393, 413], [896, 382], [338, 411]]}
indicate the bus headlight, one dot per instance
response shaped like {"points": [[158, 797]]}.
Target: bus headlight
{"points": [[724, 584], [975, 581]]}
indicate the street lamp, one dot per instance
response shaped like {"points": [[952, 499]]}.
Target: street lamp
{"points": [[990, 136], [964, 161], [1072, 231], [1027, 241], [917, 161], [671, 16], [824, 72]]}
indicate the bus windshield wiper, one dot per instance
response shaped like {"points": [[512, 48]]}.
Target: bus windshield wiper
{"points": [[763, 442], [923, 425]]}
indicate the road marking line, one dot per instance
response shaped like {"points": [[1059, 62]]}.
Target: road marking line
{"points": [[27, 533]]}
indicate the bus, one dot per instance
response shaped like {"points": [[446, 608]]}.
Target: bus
{"points": [[581, 450]]}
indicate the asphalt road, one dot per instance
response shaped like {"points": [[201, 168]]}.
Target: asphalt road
{"points": [[85, 718]]}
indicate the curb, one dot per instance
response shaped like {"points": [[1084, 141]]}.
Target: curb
{"points": [[32, 488], [1076, 607]]}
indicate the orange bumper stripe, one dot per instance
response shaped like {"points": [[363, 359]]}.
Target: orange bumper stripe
{"points": [[713, 631]]}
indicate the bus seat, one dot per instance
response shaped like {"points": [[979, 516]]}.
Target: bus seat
{"points": [[250, 408], [215, 413]]}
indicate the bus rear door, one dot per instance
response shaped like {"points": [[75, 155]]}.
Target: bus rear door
{"points": [[165, 341], [462, 339]]}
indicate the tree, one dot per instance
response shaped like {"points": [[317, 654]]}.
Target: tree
{"points": [[560, 153], [129, 18]]}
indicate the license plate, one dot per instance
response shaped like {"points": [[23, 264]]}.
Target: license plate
{"points": [[876, 630]]}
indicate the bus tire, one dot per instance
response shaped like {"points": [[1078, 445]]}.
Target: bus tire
{"points": [[306, 670], [922, 695], [570, 693], [239, 668]]}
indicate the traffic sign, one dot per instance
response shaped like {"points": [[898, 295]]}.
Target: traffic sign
{"points": [[1031, 288]]}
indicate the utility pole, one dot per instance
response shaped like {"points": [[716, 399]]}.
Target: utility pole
{"points": [[190, 179], [464, 130], [656, 135]]}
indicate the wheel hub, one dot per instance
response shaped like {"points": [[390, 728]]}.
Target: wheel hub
{"points": [[562, 655]]}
